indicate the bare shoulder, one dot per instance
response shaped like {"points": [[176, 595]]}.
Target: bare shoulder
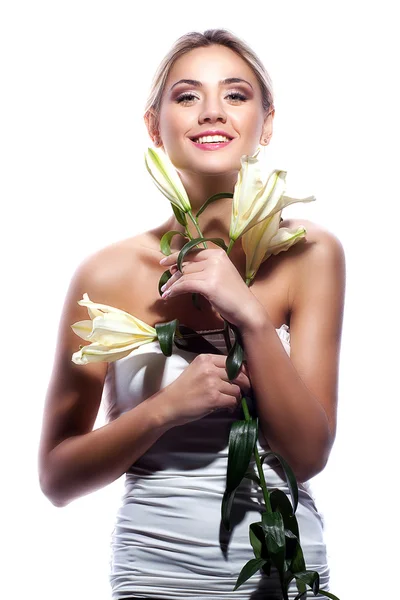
{"points": [[321, 250], [110, 273], [315, 234]]}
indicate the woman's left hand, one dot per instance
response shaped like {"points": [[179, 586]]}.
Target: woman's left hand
{"points": [[210, 272]]}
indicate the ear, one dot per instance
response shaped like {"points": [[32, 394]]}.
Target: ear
{"points": [[267, 127], [151, 121]]}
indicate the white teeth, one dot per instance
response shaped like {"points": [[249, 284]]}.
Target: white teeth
{"points": [[211, 138]]}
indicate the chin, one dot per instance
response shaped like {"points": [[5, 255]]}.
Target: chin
{"points": [[219, 170]]}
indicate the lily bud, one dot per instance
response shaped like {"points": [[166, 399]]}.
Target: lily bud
{"points": [[166, 178], [114, 333], [255, 200], [265, 239]]}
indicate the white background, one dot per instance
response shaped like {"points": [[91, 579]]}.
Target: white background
{"points": [[74, 78]]}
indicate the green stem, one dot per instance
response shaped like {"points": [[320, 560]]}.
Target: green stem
{"points": [[263, 483], [245, 408], [194, 220], [187, 232], [231, 242]]}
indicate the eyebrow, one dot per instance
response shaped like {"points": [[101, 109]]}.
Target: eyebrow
{"points": [[227, 81]]}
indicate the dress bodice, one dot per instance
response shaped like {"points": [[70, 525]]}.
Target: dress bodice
{"points": [[168, 540], [146, 370]]}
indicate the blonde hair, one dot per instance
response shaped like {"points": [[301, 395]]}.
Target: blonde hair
{"points": [[196, 39]]}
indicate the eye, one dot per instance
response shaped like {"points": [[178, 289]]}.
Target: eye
{"points": [[188, 96], [238, 95]]}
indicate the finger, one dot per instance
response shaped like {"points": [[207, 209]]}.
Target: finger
{"points": [[186, 267], [194, 254], [170, 259], [243, 382], [177, 275], [194, 283], [231, 389], [220, 361]]}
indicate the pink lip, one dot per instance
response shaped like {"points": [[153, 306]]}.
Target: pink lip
{"points": [[211, 145]]}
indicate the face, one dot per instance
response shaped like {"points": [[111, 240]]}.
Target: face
{"points": [[189, 109]]}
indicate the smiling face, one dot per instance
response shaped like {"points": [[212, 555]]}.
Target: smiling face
{"points": [[226, 97]]}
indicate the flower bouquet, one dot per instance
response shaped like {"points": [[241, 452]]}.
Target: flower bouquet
{"points": [[256, 214]]}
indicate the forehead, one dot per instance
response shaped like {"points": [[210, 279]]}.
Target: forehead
{"points": [[209, 65]]}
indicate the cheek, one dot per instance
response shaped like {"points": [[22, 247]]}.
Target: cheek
{"points": [[174, 121], [254, 122], [248, 123]]}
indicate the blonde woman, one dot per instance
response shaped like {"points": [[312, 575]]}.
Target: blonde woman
{"points": [[169, 418]]}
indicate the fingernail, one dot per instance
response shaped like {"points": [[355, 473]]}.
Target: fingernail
{"points": [[163, 260]]}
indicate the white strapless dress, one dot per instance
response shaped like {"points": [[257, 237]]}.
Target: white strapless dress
{"points": [[168, 541]]}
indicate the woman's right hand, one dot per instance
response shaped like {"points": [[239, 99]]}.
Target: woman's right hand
{"points": [[203, 388]]}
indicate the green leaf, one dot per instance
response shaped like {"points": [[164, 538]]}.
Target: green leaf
{"points": [[226, 507], [310, 578], [279, 501], [212, 199], [328, 594], [290, 478], [242, 438], [165, 334], [272, 524], [234, 360], [298, 563], [195, 242], [165, 242], [248, 571], [163, 279], [179, 214], [301, 587], [257, 540]]}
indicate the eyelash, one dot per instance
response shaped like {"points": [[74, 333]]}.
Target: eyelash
{"points": [[187, 95]]}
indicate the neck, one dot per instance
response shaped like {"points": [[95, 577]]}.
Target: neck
{"points": [[216, 218]]}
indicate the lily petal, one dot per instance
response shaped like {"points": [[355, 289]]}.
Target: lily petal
{"points": [[83, 329], [248, 185], [97, 352], [256, 241], [285, 239], [99, 310], [166, 178], [117, 330]]}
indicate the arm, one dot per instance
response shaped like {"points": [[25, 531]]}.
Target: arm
{"points": [[73, 460], [297, 395]]}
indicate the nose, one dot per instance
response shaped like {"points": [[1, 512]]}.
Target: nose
{"points": [[212, 111]]}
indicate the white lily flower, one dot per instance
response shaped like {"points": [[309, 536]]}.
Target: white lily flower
{"points": [[265, 239], [114, 333], [285, 239], [166, 178], [253, 200]]}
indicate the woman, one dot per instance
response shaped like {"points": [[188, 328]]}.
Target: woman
{"points": [[169, 418]]}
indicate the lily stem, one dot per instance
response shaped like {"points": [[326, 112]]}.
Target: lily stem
{"points": [[245, 408], [231, 242], [194, 220], [263, 483]]}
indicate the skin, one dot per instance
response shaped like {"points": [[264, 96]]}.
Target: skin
{"points": [[303, 287]]}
